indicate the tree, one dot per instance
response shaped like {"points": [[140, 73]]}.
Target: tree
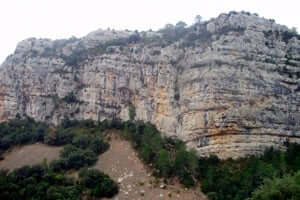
{"points": [[185, 166], [285, 188], [131, 112], [169, 26], [76, 157], [163, 163], [63, 136], [294, 30], [98, 146], [99, 184], [134, 38], [180, 24], [198, 19], [81, 141], [70, 98]]}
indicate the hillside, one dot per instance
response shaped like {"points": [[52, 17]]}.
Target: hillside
{"points": [[229, 86]]}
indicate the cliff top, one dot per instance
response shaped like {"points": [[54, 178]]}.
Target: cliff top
{"points": [[231, 20]]}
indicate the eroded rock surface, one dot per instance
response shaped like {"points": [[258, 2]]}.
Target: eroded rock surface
{"points": [[229, 86]]}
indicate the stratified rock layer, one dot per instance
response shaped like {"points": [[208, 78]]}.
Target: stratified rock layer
{"points": [[229, 86]]}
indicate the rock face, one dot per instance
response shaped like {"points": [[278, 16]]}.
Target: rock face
{"points": [[229, 86]]}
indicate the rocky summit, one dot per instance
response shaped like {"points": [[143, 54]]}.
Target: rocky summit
{"points": [[229, 86]]}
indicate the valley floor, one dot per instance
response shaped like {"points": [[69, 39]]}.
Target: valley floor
{"points": [[29, 155]]}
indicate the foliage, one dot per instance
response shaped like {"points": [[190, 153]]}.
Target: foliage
{"points": [[78, 55], [21, 131], [285, 188], [238, 179], [220, 180], [76, 158], [186, 166], [98, 183], [284, 35], [83, 143], [37, 182], [169, 157], [198, 19], [71, 98], [59, 137], [40, 182], [131, 112], [287, 35], [106, 47], [172, 33]]}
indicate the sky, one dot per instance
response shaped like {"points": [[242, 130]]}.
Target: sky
{"points": [[56, 19]]}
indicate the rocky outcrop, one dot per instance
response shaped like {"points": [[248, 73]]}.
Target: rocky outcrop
{"points": [[229, 86]]}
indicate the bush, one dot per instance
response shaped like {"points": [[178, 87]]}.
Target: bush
{"points": [[37, 182], [21, 131], [220, 180], [185, 166], [63, 136], [71, 98], [82, 146], [238, 179], [58, 165], [168, 156], [285, 188], [287, 35], [76, 158], [98, 146], [98, 183], [131, 113], [81, 141], [163, 164]]}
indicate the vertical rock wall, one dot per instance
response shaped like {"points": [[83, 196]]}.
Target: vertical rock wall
{"points": [[229, 86]]}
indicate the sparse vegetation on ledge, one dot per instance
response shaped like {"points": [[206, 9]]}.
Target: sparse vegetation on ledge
{"points": [[71, 98]]}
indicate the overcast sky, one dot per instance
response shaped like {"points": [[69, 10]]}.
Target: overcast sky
{"points": [[21, 19]]}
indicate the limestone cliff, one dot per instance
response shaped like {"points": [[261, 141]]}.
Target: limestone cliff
{"points": [[229, 86]]}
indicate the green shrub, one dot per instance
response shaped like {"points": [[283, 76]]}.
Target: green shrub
{"points": [[285, 188], [76, 158], [132, 112], [220, 180], [71, 98], [37, 182], [168, 156], [238, 179], [63, 136], [58, 165], [163, 163], [98, 183], [98, 146], [41, 183], [82, 146], [81, 141], [21, 131]]}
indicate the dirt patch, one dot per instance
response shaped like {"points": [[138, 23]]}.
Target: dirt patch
{"points": [[29, 155], [121, 163]]}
